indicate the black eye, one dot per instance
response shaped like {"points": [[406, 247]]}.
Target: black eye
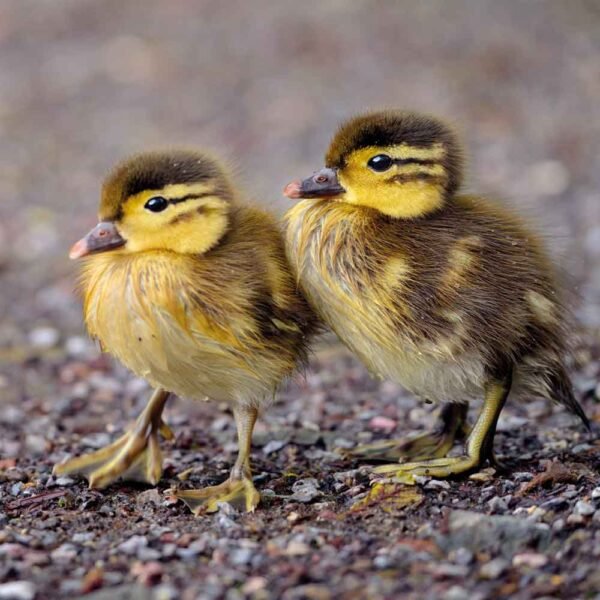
{"points": [[380, 163], [156, 204]]}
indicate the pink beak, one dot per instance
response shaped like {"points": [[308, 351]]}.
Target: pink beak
{"points": [[101, 238]]}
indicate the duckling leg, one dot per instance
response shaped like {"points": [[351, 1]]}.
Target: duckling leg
{"points": [[238, 490], [479, 446], [135, 456], [451, 426]]}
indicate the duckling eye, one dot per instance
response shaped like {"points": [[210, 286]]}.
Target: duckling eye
{"points": [[156, 204], [380, 163]]}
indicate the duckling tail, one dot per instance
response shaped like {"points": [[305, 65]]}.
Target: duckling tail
{"points": [[561, 390]]}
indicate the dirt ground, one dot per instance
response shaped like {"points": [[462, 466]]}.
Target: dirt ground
{"points": [[82, 84]]}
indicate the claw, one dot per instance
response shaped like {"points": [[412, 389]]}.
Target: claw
{"points": [[451, 426], [240, 493], [421, 447], [133, 457], [437, 467]]}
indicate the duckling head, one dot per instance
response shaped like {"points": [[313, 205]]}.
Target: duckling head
{"points": [[178, 201], [403, 164]]}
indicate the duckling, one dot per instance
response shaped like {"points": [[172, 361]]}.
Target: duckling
{"points": [[190, 289], [449, 295]]}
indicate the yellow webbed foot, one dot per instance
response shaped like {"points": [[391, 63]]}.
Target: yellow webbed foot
{"points": [[436, 467], [451, 427], [479, 446], [240, 493], [135, 456], [424, 446]]}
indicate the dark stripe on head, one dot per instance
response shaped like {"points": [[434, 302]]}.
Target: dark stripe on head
{"points": [[394, 128], [427, 177], [155, 171], [415, 161], [190, 197]]}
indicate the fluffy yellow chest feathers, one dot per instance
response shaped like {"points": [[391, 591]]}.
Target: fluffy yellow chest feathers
{"points": [[144, 310]]}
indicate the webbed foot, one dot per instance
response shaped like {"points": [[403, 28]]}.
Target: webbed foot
{"points": [[238, 490], [436, 467], [135, 456], [479, 447], [451, 427], [240, 493]]}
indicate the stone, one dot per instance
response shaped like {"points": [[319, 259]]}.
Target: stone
{"points": [[493, 568], [273, 446], [498, 505], [149, 497], [44, 338], [241, 556], [305, 490], [64, 554], [532, 560], [456, 592], [583, 508], [506, 534], [133, 544], [64, 482], [17, 590]]}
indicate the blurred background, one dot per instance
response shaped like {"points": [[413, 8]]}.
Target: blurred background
{"points": [[264, 83], [85, 82]]}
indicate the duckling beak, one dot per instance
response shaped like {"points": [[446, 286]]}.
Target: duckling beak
{"points": [[323, 184], [101, 238]]}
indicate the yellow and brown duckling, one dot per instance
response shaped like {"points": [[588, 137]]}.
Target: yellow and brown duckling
{"points": [[190, 289], [450, 295]]}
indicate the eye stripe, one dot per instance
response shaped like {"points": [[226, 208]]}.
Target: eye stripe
{"points": [[190, 197], [408, 177], [414, 161]]}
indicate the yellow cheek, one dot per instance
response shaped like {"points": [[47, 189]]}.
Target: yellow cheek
{"points": [[399, 200], [186, 237], [189, 227]]}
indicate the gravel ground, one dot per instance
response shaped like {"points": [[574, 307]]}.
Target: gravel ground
{"points": [[82, 83]]}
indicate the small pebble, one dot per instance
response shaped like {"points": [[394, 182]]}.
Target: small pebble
{"points": [[383, 561], [437, 484], [530, 559], [581, 448], [64, 482], [305, 490], [494, 568], [498, 505], [17, 590], [44, 338], [133, 544], [296, 548], [273, 446], [64, 554], [461, 556], [574, 519], [522, 476], [146, 554], [584, 508], [241, 556], [77, 346], [456, 592], [382, 424]]}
